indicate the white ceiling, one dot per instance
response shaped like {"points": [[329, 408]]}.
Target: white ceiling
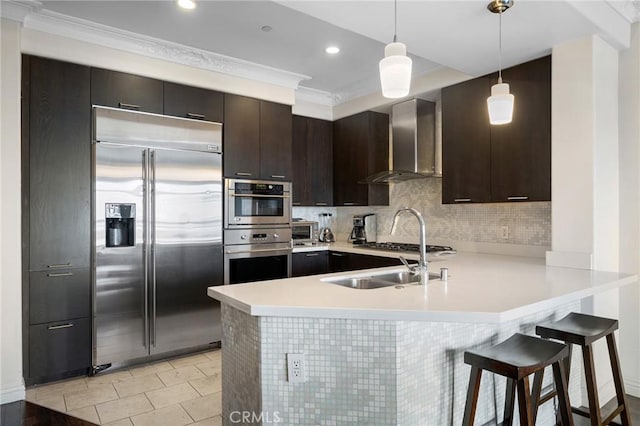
{"points": [[461, 35]]}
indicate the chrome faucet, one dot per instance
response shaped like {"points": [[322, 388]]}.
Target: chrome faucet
{"points": [[422, 266]]}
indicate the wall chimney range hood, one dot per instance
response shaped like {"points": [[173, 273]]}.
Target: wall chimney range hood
{"points": [[413, 143]]}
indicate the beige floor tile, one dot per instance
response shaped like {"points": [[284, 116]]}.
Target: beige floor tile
{"points": [[136, 385], [214, 355], [173, 415], [97, 394], [204, 407], [123, 422], [209, 368], [144, 370], [188, 360], [60, 388], [104, 378], [123, 408], [211, 421], [30, 395], [172, 395], [207, 385], [180, 375], [55, 402], [87, 413]]}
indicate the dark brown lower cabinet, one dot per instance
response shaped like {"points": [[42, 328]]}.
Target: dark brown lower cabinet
{"points": [[309, 263], [57, 295], [59, 347], [324, 262]]}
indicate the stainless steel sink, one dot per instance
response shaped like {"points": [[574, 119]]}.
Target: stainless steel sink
{"points": [[379, 281]]}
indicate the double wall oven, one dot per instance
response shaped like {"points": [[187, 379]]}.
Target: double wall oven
{"points": [[257, 234]]}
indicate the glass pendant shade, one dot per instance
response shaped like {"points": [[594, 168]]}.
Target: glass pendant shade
{"points": [[500, 104], [395, 71]]}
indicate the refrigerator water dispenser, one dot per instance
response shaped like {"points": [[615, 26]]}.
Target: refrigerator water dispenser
{"points": [[120, 224]]}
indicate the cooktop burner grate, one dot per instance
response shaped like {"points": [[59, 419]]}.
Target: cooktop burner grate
{"points": [[405, 247]]}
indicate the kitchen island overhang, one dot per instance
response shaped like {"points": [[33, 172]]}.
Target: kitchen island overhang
{"points": [[390, 356]]}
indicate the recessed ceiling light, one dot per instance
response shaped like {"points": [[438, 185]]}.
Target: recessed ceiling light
{"points": [[187, 4], [266, 28], [332, 50]]}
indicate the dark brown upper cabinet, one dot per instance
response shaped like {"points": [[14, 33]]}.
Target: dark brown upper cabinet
{"points": [[257, 139], [193, 102], [128, 91], [360, 149], [498, 163], [313, 165]]}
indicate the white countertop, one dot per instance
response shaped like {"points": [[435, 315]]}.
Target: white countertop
{"points": [[481, 288]]}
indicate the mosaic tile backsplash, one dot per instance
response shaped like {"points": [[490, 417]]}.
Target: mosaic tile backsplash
{"points": [[529, 222]]}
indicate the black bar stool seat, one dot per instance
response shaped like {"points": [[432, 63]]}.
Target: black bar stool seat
{"points": [[516, 358], [583, 330]]}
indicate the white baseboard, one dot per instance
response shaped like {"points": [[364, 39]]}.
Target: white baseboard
{"points": [[632, 387], [12, 394]]}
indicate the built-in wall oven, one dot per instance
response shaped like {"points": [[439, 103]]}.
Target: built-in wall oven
{"points": [[257, 203], [256, 254]]}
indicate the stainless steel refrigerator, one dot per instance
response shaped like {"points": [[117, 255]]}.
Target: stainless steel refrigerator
{"points": [[157, 234]]}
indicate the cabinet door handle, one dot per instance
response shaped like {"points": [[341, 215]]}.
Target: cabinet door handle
{"points": [[338, 254], [59, 265], [57, 327], [243, 174], [61, 274], [128, 106], [311, 255], [349, 204], [462, 200], [517, 198], [195, 116], [321, 204], [278, 176], [296, 204]]}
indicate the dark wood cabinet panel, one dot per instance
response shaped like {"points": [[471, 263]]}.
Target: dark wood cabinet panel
{"points": [[59, 347], [466, 142], [310, 263], [313, 162], [521, 150], [275, 141], [121, 90], [59, 164], [193, 102], [59, 295], [241, 130], [342, 262], [360, 148]]}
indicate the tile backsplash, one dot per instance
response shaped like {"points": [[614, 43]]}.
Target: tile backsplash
{"points": [[529, 223]]}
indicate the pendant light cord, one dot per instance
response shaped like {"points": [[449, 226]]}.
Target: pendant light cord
{"points": [[500, 48], [395, 20]]}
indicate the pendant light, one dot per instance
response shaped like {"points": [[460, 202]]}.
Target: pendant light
{"points": [[395, 67], [500, 103]]}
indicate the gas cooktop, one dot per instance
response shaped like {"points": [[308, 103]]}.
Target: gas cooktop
{"points": [[407, 247]]}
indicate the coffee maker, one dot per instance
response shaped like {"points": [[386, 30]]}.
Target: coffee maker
{"points": [[364, 229]]}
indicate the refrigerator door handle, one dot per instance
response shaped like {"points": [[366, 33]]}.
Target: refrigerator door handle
{"points": [[152, 240], [145, 247]]}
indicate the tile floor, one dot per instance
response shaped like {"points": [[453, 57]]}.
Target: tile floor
{"points": [[175, 392]]}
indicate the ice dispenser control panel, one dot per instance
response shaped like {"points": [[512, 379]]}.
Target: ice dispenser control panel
{"points": [[120, 224]]}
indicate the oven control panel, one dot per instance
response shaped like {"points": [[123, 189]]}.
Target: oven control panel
{"points": [[257, 236]]}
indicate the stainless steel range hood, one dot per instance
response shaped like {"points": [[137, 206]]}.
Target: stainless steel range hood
{"points": [[413, 143]]}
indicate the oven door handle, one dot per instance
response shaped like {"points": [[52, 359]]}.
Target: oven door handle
{"points": [[283, 250], [259, 196]]}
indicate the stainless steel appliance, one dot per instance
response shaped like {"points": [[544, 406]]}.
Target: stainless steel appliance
{"points": [[304, 232], [256, 254], [157, 234], [364, 229], [257, 203]]}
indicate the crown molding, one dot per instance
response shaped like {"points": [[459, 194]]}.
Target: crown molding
{"points": [[79, 29], [18, 10], [314, 96]]}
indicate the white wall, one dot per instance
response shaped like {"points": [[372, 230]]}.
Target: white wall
{"points": [[629, 336], [11, 382]]}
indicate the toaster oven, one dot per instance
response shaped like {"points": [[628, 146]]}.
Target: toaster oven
{"points": [[304, 232]]}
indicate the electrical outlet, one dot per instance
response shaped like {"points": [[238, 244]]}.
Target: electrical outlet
{"points": [[296, 368], [504, 232]]}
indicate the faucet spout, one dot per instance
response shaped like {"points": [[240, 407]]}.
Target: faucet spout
{"points": [[422, 266]]}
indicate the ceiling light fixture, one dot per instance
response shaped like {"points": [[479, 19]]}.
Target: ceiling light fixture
{"points": [[332, 50], [395, 67], [500, 103], [187, 4], [266, 28]]}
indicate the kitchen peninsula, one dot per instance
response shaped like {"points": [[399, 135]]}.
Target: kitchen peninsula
{"points": [[392, 355]]}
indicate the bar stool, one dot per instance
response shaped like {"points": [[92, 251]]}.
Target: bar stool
{"points": [[516, 358], [583, 330]]}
